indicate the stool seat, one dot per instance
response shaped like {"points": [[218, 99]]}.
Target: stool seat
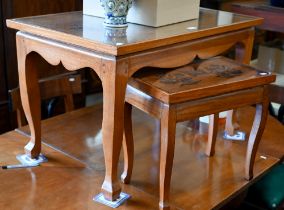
{"points": [[198, 89], [198, 80]]}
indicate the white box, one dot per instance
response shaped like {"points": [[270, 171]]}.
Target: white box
{"points": [[151, 12]]}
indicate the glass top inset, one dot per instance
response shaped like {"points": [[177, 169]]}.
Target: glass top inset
{"points": [[90, 29]]}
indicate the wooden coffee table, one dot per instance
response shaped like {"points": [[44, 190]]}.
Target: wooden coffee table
{"points": [[79, 41]]}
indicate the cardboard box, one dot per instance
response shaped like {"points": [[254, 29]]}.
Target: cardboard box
{"points": [[152, 12]]}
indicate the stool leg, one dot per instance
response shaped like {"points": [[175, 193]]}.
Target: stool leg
{"points": [[212, 134], [255, 136], [128, 145], [168, 130], [232, 123]]}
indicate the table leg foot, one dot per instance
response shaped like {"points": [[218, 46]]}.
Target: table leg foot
{"points": [[231, 122], [33, 150], [113, 204], [111, 190], [27, 160], [164, 206]]}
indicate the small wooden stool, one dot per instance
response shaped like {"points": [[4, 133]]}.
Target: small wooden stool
{"points": [[202, 88]]}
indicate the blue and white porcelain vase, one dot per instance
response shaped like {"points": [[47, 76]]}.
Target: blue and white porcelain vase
{"points": [[116, 12]]}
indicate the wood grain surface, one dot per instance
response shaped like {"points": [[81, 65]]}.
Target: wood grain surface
{"points": [[198, 182], [79, 41], [201, 79], [87, 31], [204, 87]]}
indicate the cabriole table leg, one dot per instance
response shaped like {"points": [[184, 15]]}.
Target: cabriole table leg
{"points": [[30, 96], [256, 134]]}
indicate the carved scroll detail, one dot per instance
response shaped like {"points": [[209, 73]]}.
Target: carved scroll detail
{"points": [[62, 53], [178, 56]]}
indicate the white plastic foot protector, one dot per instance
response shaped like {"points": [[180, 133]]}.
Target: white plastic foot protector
{"points": [[27, 160], [113, 204], [239, 136]]}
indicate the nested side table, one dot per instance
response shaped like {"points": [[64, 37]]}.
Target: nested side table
{"points": [[79, 41], [201, 88]]}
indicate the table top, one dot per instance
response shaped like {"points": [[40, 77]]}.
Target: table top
{"points": [[89, 32]]}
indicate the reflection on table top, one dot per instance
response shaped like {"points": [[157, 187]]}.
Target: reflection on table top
{"points": [[198, 182], [89, 32]]}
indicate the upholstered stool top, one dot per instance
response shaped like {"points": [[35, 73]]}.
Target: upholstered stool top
{"points": [[199, 79]]}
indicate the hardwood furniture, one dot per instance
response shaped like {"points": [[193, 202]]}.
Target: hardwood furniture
{"points": [[273, 21], [204, 87], [74, 173], [8, 56], [58, 86], [79, 41], [273, 16]]}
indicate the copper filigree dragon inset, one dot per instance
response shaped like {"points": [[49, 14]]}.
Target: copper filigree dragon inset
{"points": [[191, 76], [180, 77], [223, 71]]}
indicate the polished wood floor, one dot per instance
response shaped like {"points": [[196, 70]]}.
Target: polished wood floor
{"points": [[75, 169]]}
